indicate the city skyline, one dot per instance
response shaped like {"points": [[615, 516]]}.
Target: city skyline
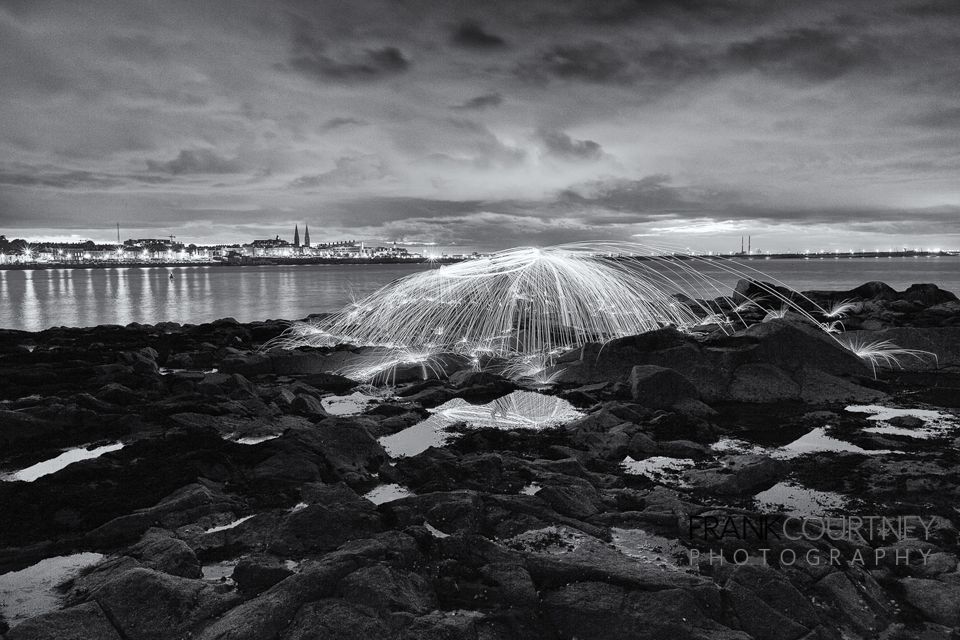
{"points": [[484, 126]]}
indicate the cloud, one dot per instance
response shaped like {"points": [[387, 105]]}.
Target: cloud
{"points": [[806, 53], [348, 171], [310, 59], [337, 123], [560, 145], [588, 62], [57, 179], [480, 102], [471, 35], [196, 161]]}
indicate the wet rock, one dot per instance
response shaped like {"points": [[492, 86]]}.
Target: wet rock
{"points": [[766, 605], [659, 387], [83, 622], [599, 611], [257, 573], [351, 453], [308, 406], [273, 610], [936, 600], [181, 507], [160, 550], [447, 625], [448, 511], [556, 556], [570, 496], [388, 589], [738, 475], [335, 619], [858, 611], [334, 514], [149, 605]]}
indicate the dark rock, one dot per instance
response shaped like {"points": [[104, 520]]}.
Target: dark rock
{"points": [[329, 382], [388, 589], [570, 496], [659, 387], [936, 600], [308, 406], [739, 475], [257, 573], [448, 511], [874, 290], [335, 619], [160, 550], [263, 616], [598, 611], [149, 605], [927, 294], [766, 605], [83, 622], [333, 515]]}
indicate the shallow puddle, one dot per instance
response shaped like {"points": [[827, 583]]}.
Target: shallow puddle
{"points": [[63, 460], [517, 410], [387, 493], [934, 423], [348, 405], [796, 499], [32, 591], [817, 441], [659, 469], [257, 439], [648, 548], [231, 525]]}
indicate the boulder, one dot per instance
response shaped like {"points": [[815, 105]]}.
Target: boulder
{"points": [[766, 605], [83, 622], [335, 619], [148, 605], [334, 514], [937, 600], [160, 550], [388, 589], [659, 387], [740, 474], [257, 573]]}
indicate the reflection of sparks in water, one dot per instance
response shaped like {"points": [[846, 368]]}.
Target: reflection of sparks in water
{"points": [[523, 409], [528, 305], [517, 410]]}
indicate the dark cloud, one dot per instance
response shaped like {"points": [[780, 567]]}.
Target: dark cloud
{"points": [[942, 118], [337, 123], [651, 193], [560, 145], [196, 161], [349, 171], [470, 34], [809, 54], [484, 101], [56, 179], [310, 58], [589, 62]]}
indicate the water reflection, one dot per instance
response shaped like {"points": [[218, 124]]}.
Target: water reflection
{"points": [[520, 409], [33, 300]]}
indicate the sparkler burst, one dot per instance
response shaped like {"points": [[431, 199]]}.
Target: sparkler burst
{"points": [[523, 307]]}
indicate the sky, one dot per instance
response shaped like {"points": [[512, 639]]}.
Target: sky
{"points": [[484, 124]]}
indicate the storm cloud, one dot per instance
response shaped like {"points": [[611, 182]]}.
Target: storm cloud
{"points": [[484, 124]]}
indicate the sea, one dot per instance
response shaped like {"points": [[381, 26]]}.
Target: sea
{"points": [[37, 299]]}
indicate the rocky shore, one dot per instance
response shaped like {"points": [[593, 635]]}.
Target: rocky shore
{"points": [[174, 481]]}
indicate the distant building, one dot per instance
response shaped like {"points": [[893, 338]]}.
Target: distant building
{"points": [[296, 236], [306, 236]]}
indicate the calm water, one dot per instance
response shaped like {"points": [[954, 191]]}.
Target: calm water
{"points": [[38, 299]]}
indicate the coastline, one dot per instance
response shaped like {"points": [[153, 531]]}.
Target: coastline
{"points": [[232, 496]]}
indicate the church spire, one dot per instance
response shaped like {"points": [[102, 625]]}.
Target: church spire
{"points": [[306, 235], [296, 235]]}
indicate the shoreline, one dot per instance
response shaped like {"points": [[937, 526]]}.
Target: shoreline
{"points": [[448, 260]]}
